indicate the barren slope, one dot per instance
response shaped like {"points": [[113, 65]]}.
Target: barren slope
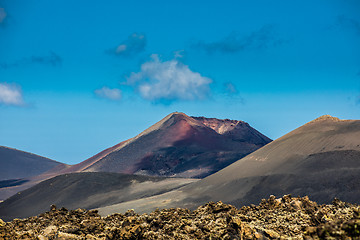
{"points": [[85, 190], [15, 164], [320, 159], [179, 146], [176, 146]]}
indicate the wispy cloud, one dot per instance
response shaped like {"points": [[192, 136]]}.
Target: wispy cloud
{"points": [[234, 42], [350, 23], [179, 53], [230, 88], [10, 94], [232, 92], [52, 59], [134, 44], [169, 81], [108, 93], [3, 15]]}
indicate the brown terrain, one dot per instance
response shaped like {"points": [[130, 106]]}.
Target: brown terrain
{"points": [[320, 159], [86, 190], [273, 218], [177, 146]]}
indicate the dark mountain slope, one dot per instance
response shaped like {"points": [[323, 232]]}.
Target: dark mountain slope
{"points": [[85, 190], [176, 146], [320, 159], [15, 164], [180, 146]]}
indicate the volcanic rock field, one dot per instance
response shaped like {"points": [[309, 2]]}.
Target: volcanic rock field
{"points": [[192, 178], [273, 218]]}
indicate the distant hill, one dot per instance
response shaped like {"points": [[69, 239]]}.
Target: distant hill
{"points": [[16, 164], [85, 190], [179, 146], [320, 159]]}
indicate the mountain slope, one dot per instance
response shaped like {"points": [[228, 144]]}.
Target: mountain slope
{"points": [[85, 190], [176, 146], [179, 146], [320, 159], [15, 164]]}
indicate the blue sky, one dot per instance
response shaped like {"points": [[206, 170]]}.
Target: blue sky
{"points": [[77, 77]]}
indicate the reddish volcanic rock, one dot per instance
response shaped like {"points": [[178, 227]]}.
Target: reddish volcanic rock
{"points": [[176, 146], [221, 126], [90, 161], [271, 219], [179, 146], [235, 129]]}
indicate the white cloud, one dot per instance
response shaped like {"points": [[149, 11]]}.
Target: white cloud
{"points": [[169, 80], [105, 92], [10, 94], [134, 44], [2, 15], [120, 49]]}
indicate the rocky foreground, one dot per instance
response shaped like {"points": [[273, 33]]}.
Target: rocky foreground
{"points": [[282, 218]]}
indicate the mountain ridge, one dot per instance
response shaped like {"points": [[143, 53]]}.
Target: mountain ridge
{"points": [[176, 146], [17, 164], [174, 130], [321, 159]]}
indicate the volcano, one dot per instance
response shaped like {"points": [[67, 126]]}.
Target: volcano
{"points": [[179, 146], [320, 159]]}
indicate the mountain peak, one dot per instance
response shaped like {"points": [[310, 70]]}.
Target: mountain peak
{"points": [[221, 126], [174, 116], [170, 118], [180, 145], [326, 118], [177, 114]]}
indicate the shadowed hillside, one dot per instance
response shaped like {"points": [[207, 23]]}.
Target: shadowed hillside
{"points": [[86, 190], [176, 146], [320, 159], [15, 164], [179, 146]]}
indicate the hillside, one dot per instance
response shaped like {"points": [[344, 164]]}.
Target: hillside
{"points": [[179, 146], [86, 190], [16, 164], [320, 159]]}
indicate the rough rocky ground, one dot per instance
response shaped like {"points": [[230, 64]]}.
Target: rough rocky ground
{"points": [[282, 218]]}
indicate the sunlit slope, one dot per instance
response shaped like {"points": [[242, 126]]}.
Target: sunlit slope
{"points": [[320, 159]]}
